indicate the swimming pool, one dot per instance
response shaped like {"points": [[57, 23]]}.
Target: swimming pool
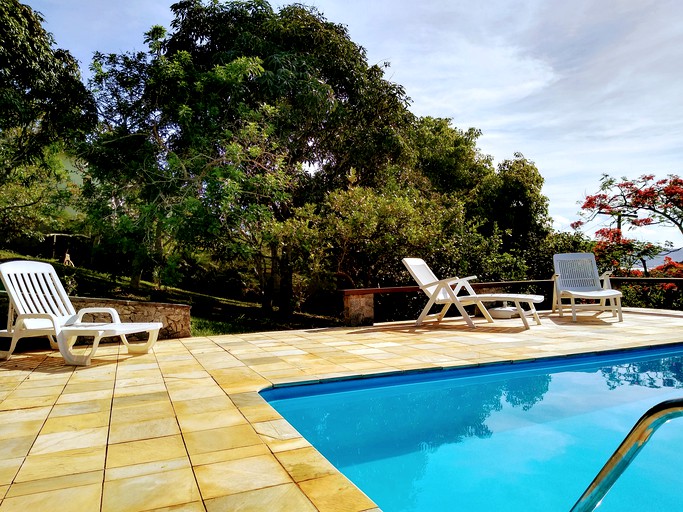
{"points": [[515, 437]]}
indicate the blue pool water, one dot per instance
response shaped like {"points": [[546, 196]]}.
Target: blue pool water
{"points": [[518, 437]]}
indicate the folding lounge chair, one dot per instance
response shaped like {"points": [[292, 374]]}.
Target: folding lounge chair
{"points": [[576, 278], [445, 292], [39, 306]]}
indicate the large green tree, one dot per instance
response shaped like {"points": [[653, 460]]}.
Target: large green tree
{"points": [[44, 108], [334, 111], [203, 139]]}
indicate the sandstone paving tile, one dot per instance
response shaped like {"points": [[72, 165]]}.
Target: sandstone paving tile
{"points": [[247, 399], [72, 499], [147, 429], [77, 408], [145, 450], [195, 506], [147, 468], [93, 375], [295, 374], [187, 389], [143, 398], [335, 493], [260, 413], [69, 440], [195, 373], [225, 438], [150, 380], [13, 403], [235, 476], [136, 365], [56, 482], [276, 430], [210, 419], [20, 425], [143, 389], [224, 361], [14, 447], [150, 491], [305, 464], [85, 396], [9, 469], [50, 381], [204, 404], [237, 380], [283, 445], [279, 498], [243, 452], [96, 385], [76, 422], [135, 413], [37, 467], [178, 370]]}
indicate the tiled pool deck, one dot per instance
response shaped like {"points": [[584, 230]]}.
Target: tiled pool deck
{"points": [[184, 428]]}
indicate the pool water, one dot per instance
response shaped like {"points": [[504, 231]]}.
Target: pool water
{"points": [[516, 437]]}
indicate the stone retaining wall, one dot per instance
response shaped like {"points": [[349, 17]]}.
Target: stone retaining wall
{"points": [[174, 317]]}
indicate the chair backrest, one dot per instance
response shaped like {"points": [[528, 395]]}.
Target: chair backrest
{"points": [[34, 287], [422, 274], [576, 271]]}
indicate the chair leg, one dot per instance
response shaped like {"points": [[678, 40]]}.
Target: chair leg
{"points": [[485, 312], [573, 304], [53, 342], [442, 313], [521, 314], [425, 311], [141, 348], [66, 343], [6, 354], [464, 314], [533, 311], [618, 301]]}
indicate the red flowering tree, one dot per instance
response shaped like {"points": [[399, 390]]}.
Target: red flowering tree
{"points": [[615, 252], [643, 201]]}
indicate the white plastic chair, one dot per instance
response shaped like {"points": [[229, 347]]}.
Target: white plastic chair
{"points": [[39, 306], [445, 292], [576, 278]]}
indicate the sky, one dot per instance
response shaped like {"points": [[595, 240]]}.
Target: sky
{"points": [[580, 87]]}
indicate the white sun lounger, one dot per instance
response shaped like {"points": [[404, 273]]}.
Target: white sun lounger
{"points": [[446, 292], [39, 306]]}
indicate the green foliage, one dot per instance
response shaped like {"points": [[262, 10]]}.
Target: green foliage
{"points": [[42, 99], [660, 296], [44, 107], [541, 265], [511, 201], [449, 157]]}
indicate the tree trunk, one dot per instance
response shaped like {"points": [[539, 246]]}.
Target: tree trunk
{"points": [[286, 295]]}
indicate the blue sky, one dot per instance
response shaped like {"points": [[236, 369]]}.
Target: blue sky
{"points": [[581, 88]]}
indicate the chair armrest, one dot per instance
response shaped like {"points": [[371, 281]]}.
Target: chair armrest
{"points": [[606, 285], [109, 311], [20, 319], [448, 281]]}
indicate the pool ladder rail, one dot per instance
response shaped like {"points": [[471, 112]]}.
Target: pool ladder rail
{"points": [[630, 447]]}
